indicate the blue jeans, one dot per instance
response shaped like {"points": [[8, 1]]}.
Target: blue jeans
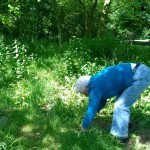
{"points": [[121, 116]]}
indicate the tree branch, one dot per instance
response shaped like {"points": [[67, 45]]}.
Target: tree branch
{"points": [[80, 1], [120, 6]]}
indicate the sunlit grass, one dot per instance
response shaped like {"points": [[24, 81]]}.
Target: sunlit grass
{"points": [[44, 112]]}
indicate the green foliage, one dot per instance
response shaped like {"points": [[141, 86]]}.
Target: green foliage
{"points": [[36, 19], [19, 58], [87, 55], [3, 146], [41, 107], [13, 62], [131, 16]]}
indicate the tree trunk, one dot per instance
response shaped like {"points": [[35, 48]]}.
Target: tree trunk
{"points": [[89, 17], [56, 13], [104, 17]]}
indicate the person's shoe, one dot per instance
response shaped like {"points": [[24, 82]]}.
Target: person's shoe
{"points": [[123, 140]]}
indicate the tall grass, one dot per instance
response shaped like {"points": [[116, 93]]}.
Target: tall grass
{"points": [[40, 108]]}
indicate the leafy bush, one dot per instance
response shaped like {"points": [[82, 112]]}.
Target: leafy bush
{"points": [[13, 61], [44, 98], [86, 56]]}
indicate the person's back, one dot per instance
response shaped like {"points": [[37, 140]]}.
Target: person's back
{"points": [[112, 80]]}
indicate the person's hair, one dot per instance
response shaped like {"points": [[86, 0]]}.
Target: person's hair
{"points": [[82, 84]]}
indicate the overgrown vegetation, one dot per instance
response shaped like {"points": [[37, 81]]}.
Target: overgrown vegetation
{"points": [[38, 107], [44, 47], [74, 18]]}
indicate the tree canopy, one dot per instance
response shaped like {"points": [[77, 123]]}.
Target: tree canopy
{"points": [[66, 19]]}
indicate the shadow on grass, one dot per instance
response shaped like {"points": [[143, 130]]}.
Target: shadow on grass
{"points": [[59, 129], [139, 131]]}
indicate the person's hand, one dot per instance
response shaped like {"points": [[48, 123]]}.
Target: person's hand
{"points": [[83, 129]]}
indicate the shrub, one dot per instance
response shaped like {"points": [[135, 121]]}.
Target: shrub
{"points": [[85, 56], [13, 61]]}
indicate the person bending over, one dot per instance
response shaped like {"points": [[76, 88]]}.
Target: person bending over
{"points": [[126, 81]]}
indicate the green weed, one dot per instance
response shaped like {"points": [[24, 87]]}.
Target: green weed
{"points": [[42, 110]]}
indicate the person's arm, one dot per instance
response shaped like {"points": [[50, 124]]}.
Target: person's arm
{"points": [[94, 100]]}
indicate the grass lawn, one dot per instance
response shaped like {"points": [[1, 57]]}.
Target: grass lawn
{"points": [[41, 111]]}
